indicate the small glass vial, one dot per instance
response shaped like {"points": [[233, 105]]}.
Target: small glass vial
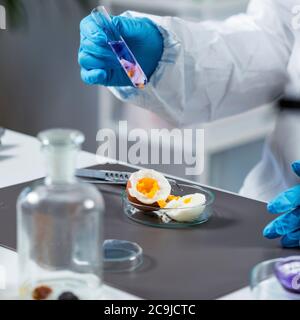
{"points": [[59, 227]]}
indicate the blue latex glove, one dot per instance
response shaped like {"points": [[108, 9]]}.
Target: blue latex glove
{"points": [[287, 225], [99, 64]]}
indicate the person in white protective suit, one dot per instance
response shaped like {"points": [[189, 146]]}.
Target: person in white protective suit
{"points": [[204, 71]]}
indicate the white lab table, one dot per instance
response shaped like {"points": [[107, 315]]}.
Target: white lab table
{"points": [[21, 161]]}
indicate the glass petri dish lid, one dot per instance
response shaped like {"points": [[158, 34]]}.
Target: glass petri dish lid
{"points": [[173, 217], [121, 255]]}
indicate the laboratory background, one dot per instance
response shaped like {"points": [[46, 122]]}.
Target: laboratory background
{"points": [[40, 47]]}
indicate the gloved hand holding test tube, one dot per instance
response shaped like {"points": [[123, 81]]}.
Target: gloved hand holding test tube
{"points": [[120, 48]]}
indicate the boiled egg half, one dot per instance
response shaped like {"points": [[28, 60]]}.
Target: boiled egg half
{"points": [[148, 187]]}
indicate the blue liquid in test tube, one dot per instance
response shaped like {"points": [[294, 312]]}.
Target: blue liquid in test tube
{"points": [[118, 45]]}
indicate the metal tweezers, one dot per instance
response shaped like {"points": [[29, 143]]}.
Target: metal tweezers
{"points": [[103, 176]]}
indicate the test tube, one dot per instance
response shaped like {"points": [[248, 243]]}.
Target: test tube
{"points": [[118, 45]]}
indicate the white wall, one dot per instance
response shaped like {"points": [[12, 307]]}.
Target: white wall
{"points": [[40, 83]]}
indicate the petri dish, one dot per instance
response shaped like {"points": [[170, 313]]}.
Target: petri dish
{"points": [[121, 255], [160, 218], [265, 282]]}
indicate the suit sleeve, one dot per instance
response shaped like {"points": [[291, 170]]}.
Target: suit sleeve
{"points": [[210, 70]]}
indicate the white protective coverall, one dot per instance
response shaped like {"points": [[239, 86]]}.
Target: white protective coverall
{"points": [[210, 70]]}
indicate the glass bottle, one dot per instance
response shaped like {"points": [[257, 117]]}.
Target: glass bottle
{"points": [[59, 227]]}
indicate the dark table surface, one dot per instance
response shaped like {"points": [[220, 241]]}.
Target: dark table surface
{"points": [[203, 262]]}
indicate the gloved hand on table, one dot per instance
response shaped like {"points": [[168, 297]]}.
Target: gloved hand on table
{"points": [[99, 64], [287, 225]]}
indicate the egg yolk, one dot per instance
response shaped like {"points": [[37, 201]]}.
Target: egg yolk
{"points": [[187, 200], [130, 73], [148, 187], [172, 197], [162, 203]]}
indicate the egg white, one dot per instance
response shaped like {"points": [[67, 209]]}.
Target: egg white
{"points": [[186, 212], [164, 186]]}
